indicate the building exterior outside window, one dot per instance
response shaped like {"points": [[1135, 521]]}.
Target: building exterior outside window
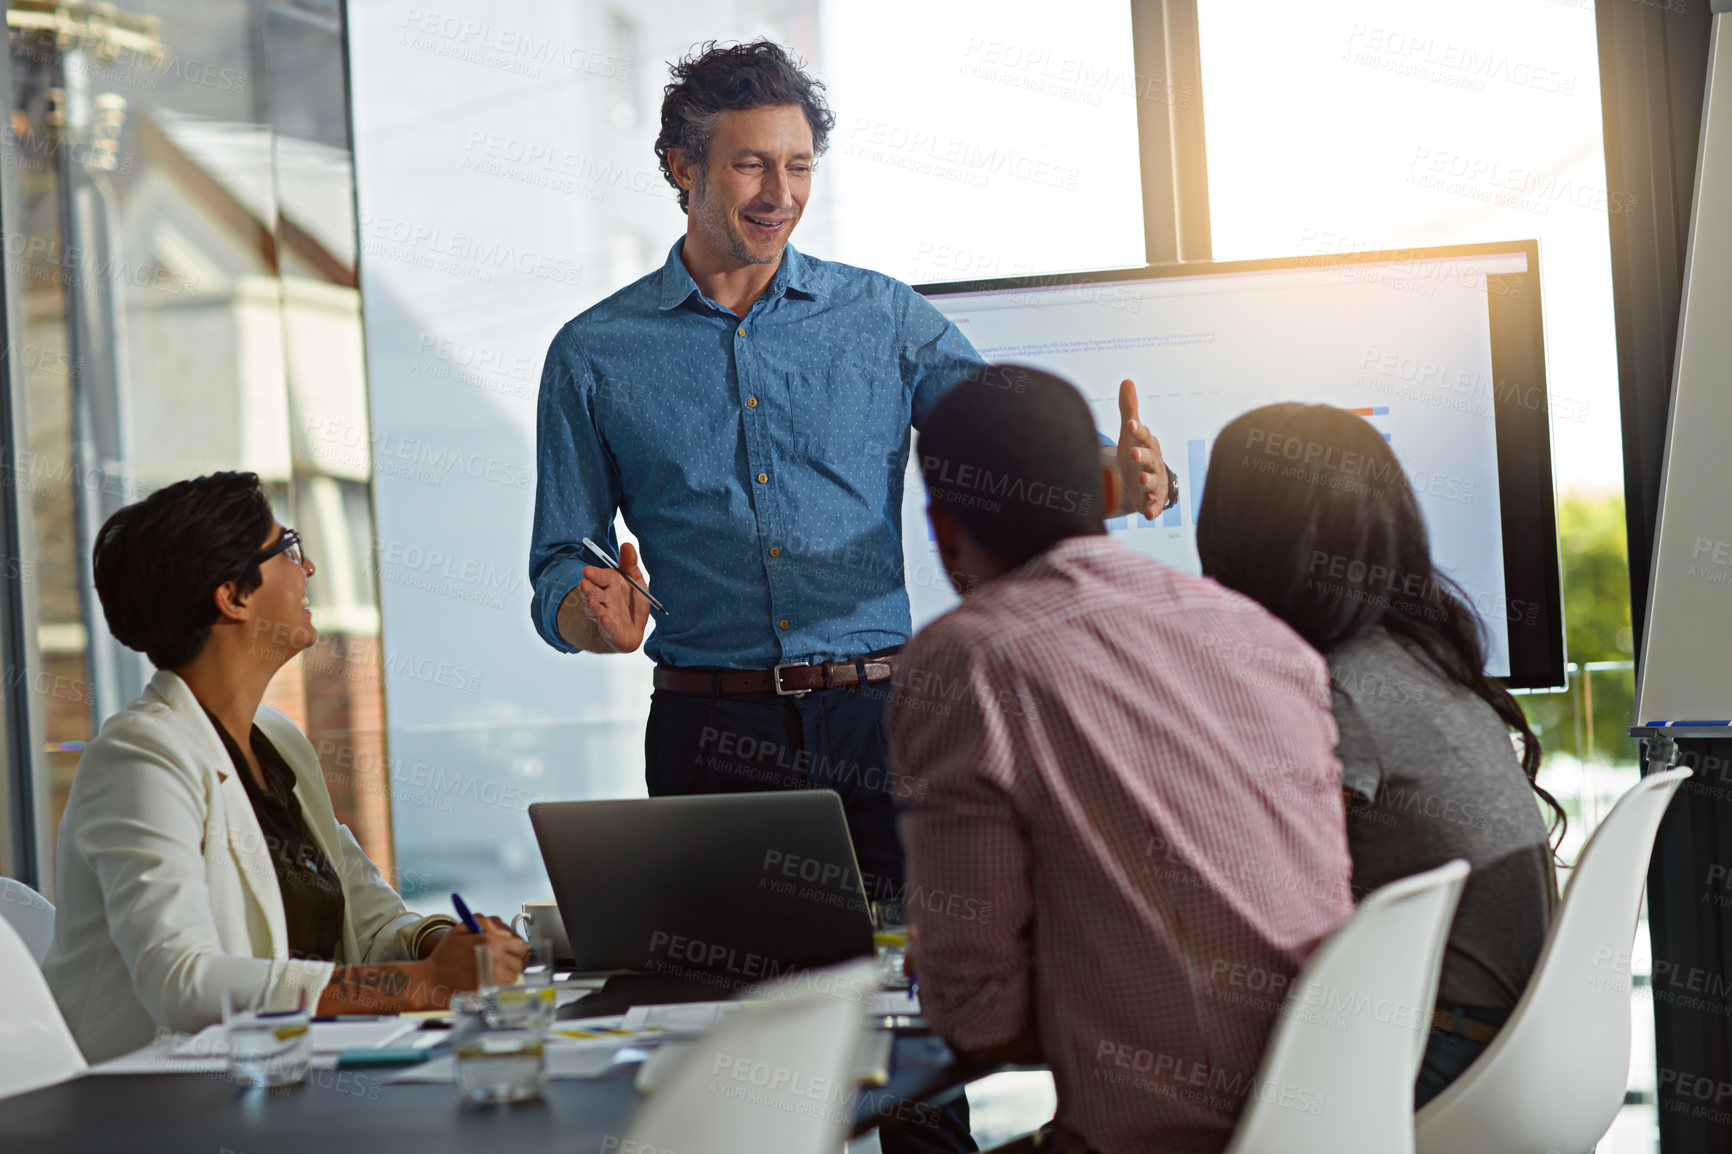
{"points": [[182, 259]]}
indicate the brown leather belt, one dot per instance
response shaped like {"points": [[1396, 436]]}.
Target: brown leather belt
{"points": [[790, 680], [1468, 1028]]}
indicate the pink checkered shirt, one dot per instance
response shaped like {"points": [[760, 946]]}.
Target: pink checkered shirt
{"points": [[1126, 829]]}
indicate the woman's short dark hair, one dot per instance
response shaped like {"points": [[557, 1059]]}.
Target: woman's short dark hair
{"points": [[734, 78], [1011, 453], [158, 561], [1307, 511]]}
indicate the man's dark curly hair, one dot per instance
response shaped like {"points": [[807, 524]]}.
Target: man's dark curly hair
{"points": [[158, 561], [734, 78]]}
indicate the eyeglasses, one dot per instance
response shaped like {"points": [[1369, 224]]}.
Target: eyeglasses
{"points": [[289, 543]]}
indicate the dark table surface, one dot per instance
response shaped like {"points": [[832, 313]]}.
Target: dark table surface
{"points": [[336, 1111]]}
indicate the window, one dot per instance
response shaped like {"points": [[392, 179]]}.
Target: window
{"points": [[188, 304], [999, 141], [1349, 125]]}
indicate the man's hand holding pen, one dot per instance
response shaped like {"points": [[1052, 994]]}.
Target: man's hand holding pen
{"points": [[620, 612]]}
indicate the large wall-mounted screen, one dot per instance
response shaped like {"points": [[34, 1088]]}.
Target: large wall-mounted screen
{"points": [[1441, 349]]}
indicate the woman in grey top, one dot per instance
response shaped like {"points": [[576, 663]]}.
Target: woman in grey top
{"points": [[1307, 511]]}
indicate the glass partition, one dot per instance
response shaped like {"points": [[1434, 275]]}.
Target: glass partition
{"points": [[185, 264]]}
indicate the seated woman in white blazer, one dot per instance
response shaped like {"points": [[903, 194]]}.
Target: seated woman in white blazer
{"points": [[199, 852]]}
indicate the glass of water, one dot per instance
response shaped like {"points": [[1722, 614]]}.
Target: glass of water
{"points": [[499, 1053], [498, 1032], [533, 995], [890, 939], [267, 1047]]}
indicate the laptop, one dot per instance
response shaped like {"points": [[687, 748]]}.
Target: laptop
{"points": [[716, 891]]}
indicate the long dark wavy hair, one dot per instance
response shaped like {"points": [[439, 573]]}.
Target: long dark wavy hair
{"points": [[1306, 510]]}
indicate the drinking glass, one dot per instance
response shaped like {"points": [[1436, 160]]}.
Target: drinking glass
{"points": [[890, 939], [267, 1047], [497, 1035], [534, 995]]}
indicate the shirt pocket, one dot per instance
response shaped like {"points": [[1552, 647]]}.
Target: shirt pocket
{"points": [[841, 416]]}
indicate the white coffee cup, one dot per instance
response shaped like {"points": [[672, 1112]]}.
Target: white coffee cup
{"points": [[541, 920]]}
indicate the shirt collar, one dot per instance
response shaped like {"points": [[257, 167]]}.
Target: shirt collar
{"points": [[796, 274], [1064, 552]]}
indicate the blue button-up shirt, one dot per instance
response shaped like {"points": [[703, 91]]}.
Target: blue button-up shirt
{"points": [[759, 460]]}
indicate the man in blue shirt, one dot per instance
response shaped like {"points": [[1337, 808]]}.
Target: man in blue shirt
{"points": [[747, 408]]}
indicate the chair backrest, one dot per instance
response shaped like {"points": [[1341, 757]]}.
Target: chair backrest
{"points": [[1554, 1077], [1337, 1076], [773, 1077], [31, 914], [36, 1048]]}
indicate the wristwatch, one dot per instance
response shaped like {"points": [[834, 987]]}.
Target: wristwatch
{"points": [[1172, 487]]}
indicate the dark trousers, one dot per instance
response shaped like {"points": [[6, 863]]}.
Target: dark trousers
{"points": [[829, 739], [1448, 1055], [756, 742]]}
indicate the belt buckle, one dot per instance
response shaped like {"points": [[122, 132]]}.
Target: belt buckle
{"points": [[776, 679]]}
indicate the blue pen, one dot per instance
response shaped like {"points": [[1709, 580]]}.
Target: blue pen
{"points": [[469, 922]]}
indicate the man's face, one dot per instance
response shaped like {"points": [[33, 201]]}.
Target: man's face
{"points": [[749, 196]]}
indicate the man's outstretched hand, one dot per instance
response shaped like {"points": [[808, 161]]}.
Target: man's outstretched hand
{"points": [[1142, 471]]}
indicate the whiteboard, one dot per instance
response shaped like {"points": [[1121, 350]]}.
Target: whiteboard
{"points": [[1685, 675]]}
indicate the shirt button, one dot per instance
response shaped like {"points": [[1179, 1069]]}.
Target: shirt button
{"points": [[751, 402], [783, 623], [742, 332], [774, 551], [762, 477]]}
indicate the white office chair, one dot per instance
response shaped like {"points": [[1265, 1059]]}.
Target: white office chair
{"points": [[36, 1048], [31, 914], [1553, 1079], [1337, 1077], [772, 1077]]}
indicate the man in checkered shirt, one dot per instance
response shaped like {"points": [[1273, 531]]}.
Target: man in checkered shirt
{"points": [[1130, 835]]}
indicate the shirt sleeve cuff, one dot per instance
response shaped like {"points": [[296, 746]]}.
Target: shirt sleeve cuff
{"points": [[555, 584]]}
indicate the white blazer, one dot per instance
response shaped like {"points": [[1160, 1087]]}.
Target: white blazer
{"points": [[167, 891]]}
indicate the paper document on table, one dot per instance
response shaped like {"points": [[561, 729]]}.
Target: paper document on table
{"points": [[681, 1017], [334, 1037], [203, 1053], [900, 1002], [328, 1038], [210, 1042], [206, 1052], [563, 1062], [158, 1058], [604, 1031]]}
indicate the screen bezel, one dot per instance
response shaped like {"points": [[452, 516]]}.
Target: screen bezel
{"points": [[1533, 590]]}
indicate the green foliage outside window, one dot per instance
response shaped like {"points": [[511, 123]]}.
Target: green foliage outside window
{"points": [[1589, 720]]}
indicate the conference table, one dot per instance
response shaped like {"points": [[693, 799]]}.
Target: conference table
{"points": [[339, 1111]]}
